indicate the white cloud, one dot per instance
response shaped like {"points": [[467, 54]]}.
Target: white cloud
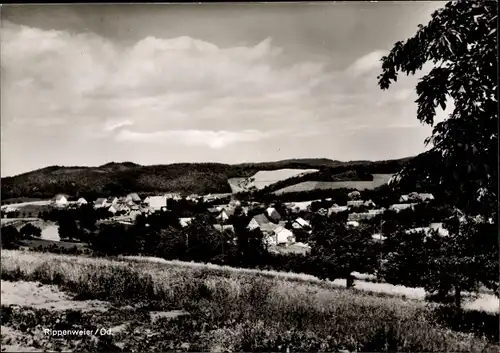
{"points": [[212, 139], [367, 63], [157, 84], [180, 90]]}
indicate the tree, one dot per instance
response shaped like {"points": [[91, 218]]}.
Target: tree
{"points": [[460, 41], [338, 250], [10, 237], [68, 228], [29, 230]]}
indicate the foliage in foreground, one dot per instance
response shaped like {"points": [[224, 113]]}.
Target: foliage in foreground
{"points": [[247, 312]]}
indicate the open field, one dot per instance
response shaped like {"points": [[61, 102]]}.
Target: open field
{"points": [[28, 203], [150, 306], [264, 178], [378, 180]]}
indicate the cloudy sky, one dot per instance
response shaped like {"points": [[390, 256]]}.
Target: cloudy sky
{"points": [[158, 84]]}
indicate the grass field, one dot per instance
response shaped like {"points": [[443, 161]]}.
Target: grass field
{"points": [[378, 180], [264, 178], [196, 307]]}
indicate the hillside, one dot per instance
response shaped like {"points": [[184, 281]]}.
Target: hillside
{"points": [[378, 180], [200, 178]]}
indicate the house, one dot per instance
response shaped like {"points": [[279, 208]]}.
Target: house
{"points": [[122, 208], [81, 201], [299, 206], [401, 206], [60, 200], [100, 202], [425, 197], [157, 203], [378, 237], [134, 197], [336, 209], [273, 214], [173, 196], [213, 210], [300, 223], [184, 222], [355, 203], [225, 214], [192, 197], [134, 213], [360, 216], [261, 222], [112, 200], [122, 199], [220, 228], [416, 197], [377, 211], [283, 235], [352, 224], [440, 229], [112, 209], [369, 203]]}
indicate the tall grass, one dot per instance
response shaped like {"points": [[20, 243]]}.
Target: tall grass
{"points": [[250, 312]]}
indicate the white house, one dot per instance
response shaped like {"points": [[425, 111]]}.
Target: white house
{"points": [[224, 214], [173, 196], [134, 197], [112, 209], [425, 197], [414, 197], [378, 237], [112, 200], [355, 203], [157, 203], [353, 224], [185, 221], [336, 209], [401, 206], [273, 214], [60, 200], [377, 212], [225, 227], [360, 216], [100, 202], [81, 201], [300, 223], [283, 235], [440, 229]]}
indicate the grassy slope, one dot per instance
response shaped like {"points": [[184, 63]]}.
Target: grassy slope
{"points": [[240, 311], [378, 180], [183, 177]]}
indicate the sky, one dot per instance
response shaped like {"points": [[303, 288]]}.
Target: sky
{"points": [[157, 84]]}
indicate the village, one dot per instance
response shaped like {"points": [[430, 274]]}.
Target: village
{"points": [[279, 223]]}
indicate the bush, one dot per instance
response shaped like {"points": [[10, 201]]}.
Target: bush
{"points": [[29, 230], [10, 237]]}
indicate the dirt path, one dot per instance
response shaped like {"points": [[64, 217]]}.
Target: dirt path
{"points": [[40, 296]]}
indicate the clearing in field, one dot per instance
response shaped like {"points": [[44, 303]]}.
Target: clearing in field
{"points": [[378, 180], [264, 178]]}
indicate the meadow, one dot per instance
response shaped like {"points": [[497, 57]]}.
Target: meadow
{"points": [[378, 180], [173, 306], [264, 178]]}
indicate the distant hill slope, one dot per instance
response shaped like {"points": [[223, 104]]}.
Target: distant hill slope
{"points": [[200, 178]]}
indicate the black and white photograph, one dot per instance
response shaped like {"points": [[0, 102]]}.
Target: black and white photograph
{"points": [[250, 177]]}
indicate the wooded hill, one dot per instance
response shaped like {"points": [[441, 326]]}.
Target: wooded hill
{"points": [[186, 178]]}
